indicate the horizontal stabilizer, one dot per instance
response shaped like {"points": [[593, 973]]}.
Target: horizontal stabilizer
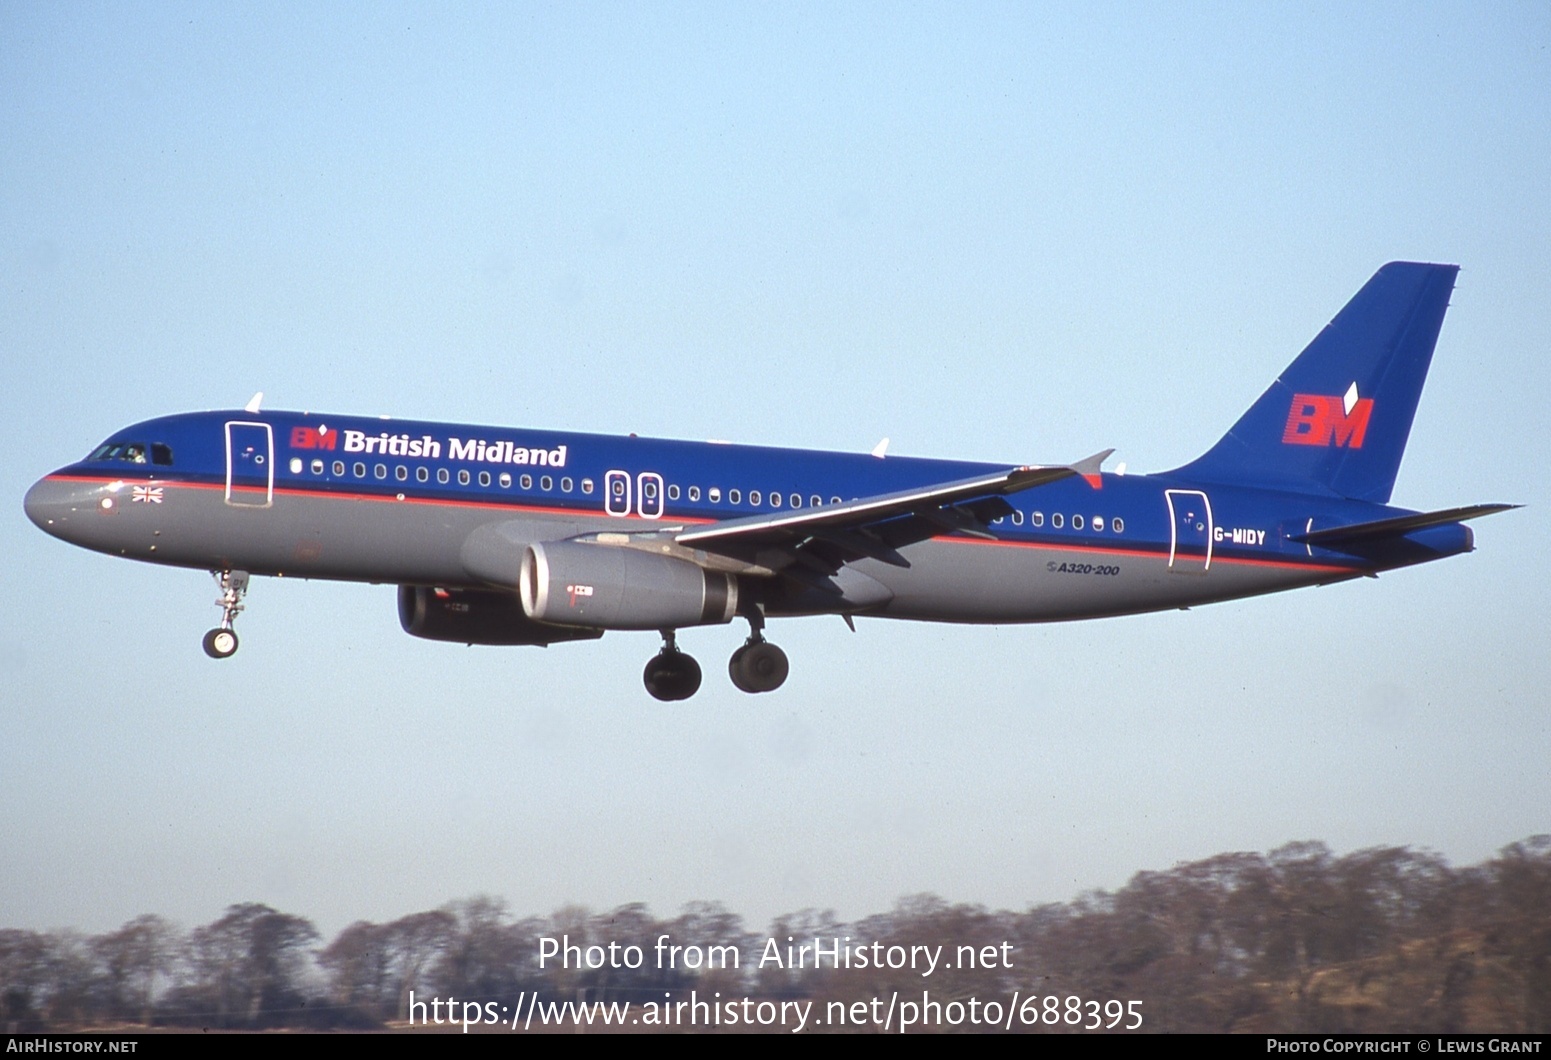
{"points": [[1399, 526]]}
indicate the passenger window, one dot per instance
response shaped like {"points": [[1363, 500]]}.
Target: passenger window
{"points": [[441, 475], [296, 465], [1037, 518], [775, 500], [360, 470], [586, 485], [734, 496], [815, 501], [755, 497], [834, 500], [1056, 520], [565, 485], [422, 474], [796, 500], [1118, 524], [401, 473], [715, 495], [673, 493], [506, 480], [527, 482], [546, 483], [1017, 518], [694, 493], [317, 467], [339, 469], [484, 478], [1076, 522], [1098, 523], [463, 477]]}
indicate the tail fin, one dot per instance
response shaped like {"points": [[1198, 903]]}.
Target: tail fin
{"points": [[1337, 419]]}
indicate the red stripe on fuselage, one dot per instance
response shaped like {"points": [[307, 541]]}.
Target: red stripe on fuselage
{"points": [[1141, 553], [509, 506]]}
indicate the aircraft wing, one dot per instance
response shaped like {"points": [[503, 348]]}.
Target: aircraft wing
{"points": [[812, 543]]}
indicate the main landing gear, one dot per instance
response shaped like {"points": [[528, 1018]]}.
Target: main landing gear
{"points": [[221, 642], [672, 674], [758, 666]]}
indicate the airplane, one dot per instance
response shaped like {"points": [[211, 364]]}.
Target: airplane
{"points": [[534, 537]]}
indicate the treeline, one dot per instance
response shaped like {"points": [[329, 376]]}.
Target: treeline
{"points": [[1387, 939]]}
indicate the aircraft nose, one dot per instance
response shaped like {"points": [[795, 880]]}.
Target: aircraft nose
{"points": [[49, 506]]}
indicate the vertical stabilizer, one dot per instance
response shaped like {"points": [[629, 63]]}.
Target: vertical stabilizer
{"points": [[1337, 419]]}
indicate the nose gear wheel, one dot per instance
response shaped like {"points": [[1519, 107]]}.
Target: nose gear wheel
{"points": [[221, 642]]}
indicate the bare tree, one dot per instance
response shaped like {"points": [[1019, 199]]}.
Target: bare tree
{"points": [[359, 964], [24, 977], [1522, 875], [247, 966], [133, 959], [481, 960], [725, 948]]}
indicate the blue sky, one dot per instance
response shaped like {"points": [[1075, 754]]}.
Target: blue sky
{"points": [[1002, 232]]}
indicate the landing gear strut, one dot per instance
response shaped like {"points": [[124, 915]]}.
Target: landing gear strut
{"points": [[671, 674], [758, 666], [221, 642]]}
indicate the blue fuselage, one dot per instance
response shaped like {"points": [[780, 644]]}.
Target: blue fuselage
{"points": [[396, 501]]}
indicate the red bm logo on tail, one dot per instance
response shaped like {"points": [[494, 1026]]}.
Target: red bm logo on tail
{"points": [[1324, 420]]}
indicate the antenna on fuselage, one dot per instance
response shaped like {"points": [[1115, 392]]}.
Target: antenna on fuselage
{"points": [[881, 449], [254, 402]]}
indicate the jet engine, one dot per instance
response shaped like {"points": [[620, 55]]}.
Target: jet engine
{"points": [[613, 587], [470, 616]]}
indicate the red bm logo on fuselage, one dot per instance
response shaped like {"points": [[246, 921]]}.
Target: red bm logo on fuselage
{"points": [[313, 438], [1320, 419]]}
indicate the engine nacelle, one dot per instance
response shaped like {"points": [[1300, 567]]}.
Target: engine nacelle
{"points": [[469, 616], [612, 587]]}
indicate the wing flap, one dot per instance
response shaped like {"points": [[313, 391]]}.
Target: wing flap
{"points": [[860, 544]]}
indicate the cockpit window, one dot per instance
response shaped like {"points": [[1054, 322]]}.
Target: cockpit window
{"points": [[129, 452], [134, 453]]}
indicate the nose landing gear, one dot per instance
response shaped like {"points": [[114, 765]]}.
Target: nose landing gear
{"points": [[671, 674], [221, 642]]}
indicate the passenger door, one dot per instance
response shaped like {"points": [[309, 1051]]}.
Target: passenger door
{"points": [[1190, 531], [250, 464]]}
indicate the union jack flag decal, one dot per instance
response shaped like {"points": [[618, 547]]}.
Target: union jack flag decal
{"points": [[146, 495]]}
